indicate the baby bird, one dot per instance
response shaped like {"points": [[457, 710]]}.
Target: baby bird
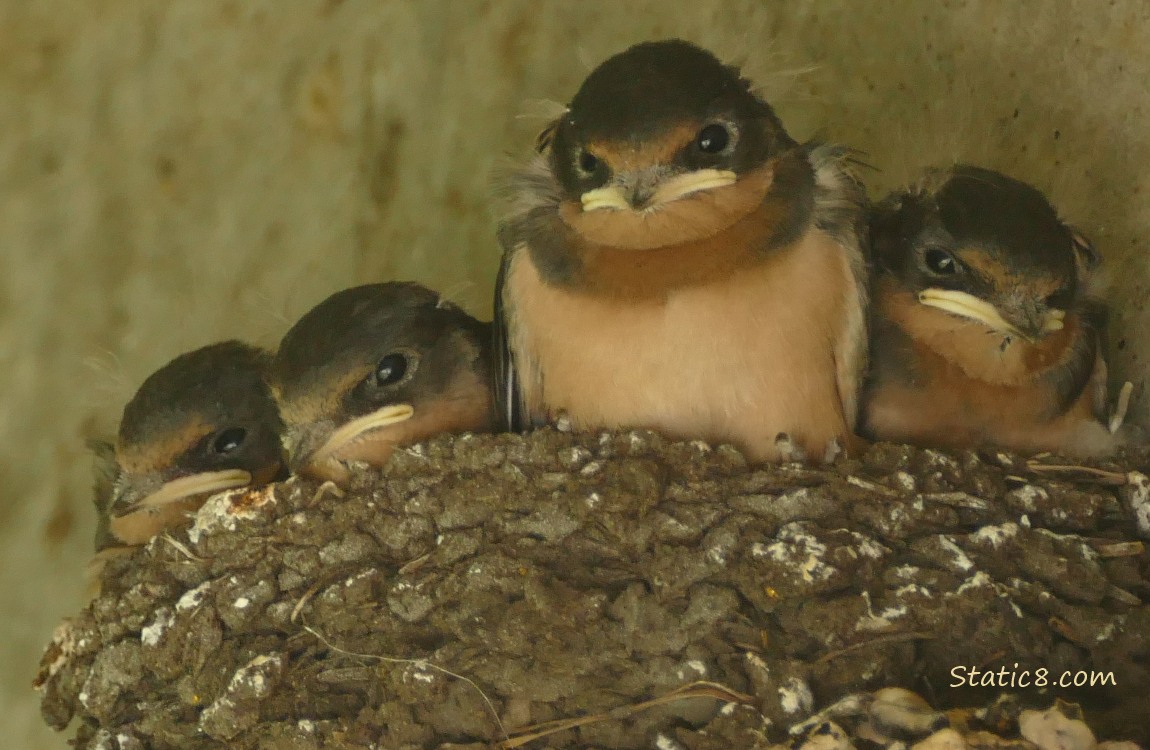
{"points": [[203, 423], [674, 260], [376, 367], [983, 331]]}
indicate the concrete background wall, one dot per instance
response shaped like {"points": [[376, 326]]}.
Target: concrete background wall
{"points": [[173, 173]]}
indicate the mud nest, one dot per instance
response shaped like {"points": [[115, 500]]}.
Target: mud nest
{"points": [[635, 591]]}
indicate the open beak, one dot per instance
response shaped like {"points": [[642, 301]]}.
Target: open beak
{"points": [[303, 457], [973, 308], [647, 189], [205, 483]]}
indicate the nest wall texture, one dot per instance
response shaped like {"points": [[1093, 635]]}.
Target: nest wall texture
{"points": [[485, 586], [176, 173]]}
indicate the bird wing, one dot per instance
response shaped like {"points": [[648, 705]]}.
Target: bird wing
{"points": [[850, 352], [1080, 376], [508, 400], [840, 210]]}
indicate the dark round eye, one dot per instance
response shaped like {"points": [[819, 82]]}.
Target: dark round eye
{"points": [[588, 162], [229, 440], [940, 262], [390, 369], [713, 139]]}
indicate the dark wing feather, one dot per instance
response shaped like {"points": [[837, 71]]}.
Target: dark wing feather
{"points": [[1075, 374], [546, 137], [508, 403], [534, 196]]}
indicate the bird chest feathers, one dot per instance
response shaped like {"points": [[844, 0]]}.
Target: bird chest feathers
{"points": [[938, 380], [733, 360]]}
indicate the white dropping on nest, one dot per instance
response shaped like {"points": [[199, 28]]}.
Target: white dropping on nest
{"points": [[222, 512], [150, 634], [1136, 495]]}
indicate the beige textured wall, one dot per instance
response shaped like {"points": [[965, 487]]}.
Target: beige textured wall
{"points": [[172, 173]]}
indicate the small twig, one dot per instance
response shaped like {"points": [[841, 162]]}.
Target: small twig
{"points": [[1109, 549], [1102, 476], [419, 663], [699, 689], [872, 487], [535, 731], [182, 548], [957, 500], [413, 565], [892, 638], [303, 600], [327, 488]]}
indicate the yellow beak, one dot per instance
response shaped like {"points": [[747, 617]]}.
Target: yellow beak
{"points": [[679, 186], [205, 483], [608, 196], [348, 433], [971, 307]]}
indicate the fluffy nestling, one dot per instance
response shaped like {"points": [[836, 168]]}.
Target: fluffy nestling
{"points": [[984, 332], [376, 367], [674, 260], [203, 423]]}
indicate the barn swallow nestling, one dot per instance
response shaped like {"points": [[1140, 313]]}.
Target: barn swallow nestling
{"points": [[376, 367], [674, 260], [203, 423], [983, 331]]}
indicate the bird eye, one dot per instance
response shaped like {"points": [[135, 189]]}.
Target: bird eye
{"points": [[229, 440], [588, 163], [390, 369], [940, 262], [713, 139]]}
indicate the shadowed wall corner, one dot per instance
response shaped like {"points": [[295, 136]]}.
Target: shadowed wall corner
{"points": [[177, 173]]}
